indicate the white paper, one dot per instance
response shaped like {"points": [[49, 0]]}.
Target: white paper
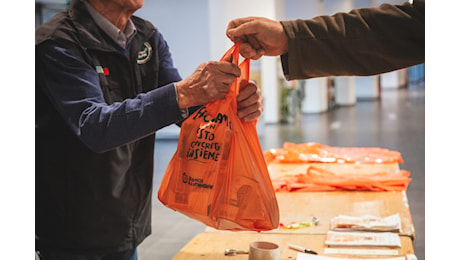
{"points": [[355, 251], [383, 239], [411, 257], [366, 223]]}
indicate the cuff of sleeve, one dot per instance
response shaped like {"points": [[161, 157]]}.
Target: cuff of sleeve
{"points": [[285, 65], [290, 61], [183, 112], [287, 27]]}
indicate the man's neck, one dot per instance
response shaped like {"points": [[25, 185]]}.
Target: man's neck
{"points": [[116, 15]]}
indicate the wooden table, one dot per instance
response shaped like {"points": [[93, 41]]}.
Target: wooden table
{"points": [[302, 206], [212, 245]]}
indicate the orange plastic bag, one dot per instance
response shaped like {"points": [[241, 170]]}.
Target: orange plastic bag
{"points": [[318, 179], [320, 153], [218, 174]]}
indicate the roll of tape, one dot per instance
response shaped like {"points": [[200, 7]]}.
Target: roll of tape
{"points": [[262, 250]]}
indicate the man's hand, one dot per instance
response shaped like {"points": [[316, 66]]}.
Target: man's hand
{"points": [[208, 83], [260, 36], [249, 102]]}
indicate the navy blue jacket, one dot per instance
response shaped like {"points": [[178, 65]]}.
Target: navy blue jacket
{"points": [[97, 109]]}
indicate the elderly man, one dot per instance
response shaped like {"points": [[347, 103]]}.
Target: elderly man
{"points": [[105, 82]]}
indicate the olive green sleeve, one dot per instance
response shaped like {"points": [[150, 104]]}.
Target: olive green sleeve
{"points": [[362, 42]]}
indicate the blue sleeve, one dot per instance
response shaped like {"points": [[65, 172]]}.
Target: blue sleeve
{"points": [[73, 87], [168, 72]]}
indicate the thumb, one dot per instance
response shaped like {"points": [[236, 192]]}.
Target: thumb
{"points": [[243, 30]]}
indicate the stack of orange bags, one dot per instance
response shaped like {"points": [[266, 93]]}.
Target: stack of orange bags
{"points": [[315, 152], [319, 179]]}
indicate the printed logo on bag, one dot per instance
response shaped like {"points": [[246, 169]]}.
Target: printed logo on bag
{"points": [[219, 119], [196, 182], [205, 148], [145, 54]]}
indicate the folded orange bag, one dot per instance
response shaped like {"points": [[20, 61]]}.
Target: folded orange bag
{"points": [[218, 174]]}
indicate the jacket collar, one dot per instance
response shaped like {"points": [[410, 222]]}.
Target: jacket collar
{"points": [[91, 36]]}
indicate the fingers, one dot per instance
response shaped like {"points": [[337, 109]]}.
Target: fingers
{"points": [[262, 36], [227, 68], [248, 94], [250, 113], [247, 51], [218, 76], [249, 102], [208, 83], [243, 29], [234, 30]]}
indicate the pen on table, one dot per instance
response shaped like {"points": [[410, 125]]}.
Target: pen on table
{"points": [[302, 249]]}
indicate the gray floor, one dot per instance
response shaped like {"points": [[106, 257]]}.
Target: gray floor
{"points": [[396, 122]]}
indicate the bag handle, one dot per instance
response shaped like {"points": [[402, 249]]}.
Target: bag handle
{"points": [[233, 55]]}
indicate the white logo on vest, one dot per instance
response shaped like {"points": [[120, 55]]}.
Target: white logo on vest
{"points": [[145, 54]]}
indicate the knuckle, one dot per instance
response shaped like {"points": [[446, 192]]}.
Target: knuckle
{"points": [[205, 65], [209, 65]]}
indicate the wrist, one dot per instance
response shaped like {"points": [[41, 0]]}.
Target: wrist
{"points": [[183, 109], [284, 38], [180, 97]]}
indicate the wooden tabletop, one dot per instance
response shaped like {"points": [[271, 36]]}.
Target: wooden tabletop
{"points": [[302, 206], [212, 245]]}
